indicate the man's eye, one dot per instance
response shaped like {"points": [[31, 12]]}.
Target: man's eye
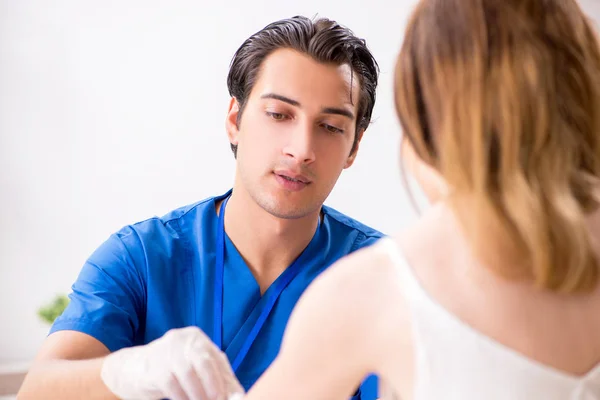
{"points": [[276, 116], [332, 129]]}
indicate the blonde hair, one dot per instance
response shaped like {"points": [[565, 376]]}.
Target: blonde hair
{"points": [[502, 97]]}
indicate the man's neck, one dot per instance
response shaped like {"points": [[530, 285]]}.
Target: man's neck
{"points": [[267, 244]]}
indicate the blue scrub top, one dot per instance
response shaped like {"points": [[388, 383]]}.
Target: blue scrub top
{"points": [[159, 274]]}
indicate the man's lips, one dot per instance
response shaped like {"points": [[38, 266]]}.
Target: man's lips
{"points": [[293, 176]]}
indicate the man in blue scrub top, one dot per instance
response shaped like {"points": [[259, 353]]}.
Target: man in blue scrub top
{"points": [[234, 265]]}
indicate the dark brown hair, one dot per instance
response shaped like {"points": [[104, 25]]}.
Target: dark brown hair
{"points": [[324, 40]]}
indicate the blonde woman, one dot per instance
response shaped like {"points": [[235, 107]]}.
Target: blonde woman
{"points": [[494, 293]]}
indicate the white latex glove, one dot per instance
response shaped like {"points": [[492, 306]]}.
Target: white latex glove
{"points": [[183, 364]]}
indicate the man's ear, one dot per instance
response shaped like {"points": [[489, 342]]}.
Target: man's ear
{"points": [[231, 122], [352, 156]]}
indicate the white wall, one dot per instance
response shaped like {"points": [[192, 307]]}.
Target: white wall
{"points": [[113, 111]]}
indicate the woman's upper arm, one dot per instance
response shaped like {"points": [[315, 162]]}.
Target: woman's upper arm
{"points": [[329, 342]]}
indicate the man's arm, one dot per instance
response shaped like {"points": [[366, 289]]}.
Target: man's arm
{"points": [[102, 315], [67, 367], [90, 351], [182, 364]]}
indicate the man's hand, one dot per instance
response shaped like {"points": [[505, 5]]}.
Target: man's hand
{"points": [[183, 364]]}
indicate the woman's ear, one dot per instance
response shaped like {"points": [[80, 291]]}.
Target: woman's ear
{"points": [[429, 179]]}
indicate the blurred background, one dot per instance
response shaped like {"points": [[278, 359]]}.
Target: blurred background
{"points": [[112, 112]]}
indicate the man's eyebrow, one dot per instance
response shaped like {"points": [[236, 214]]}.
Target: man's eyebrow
{"points": [[338, 111], [326, 110], [280, 98]]}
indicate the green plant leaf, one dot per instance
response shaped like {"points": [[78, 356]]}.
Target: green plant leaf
{"points": [[54, 309]]}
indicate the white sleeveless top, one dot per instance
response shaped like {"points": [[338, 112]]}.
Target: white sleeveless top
{"points": [[455, 361]]}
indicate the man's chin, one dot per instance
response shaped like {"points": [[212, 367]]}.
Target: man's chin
{"points": [[288, 214], [286, 209]]}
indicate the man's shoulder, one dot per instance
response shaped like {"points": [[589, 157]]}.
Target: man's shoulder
{"points": [[173, 224], [189, 211], [348, 225]]}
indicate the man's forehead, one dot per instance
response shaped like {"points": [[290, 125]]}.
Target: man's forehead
{"points": [[286, 71]]}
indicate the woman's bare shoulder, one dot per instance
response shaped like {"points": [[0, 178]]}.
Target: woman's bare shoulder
{"points": [[370, 283]]}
